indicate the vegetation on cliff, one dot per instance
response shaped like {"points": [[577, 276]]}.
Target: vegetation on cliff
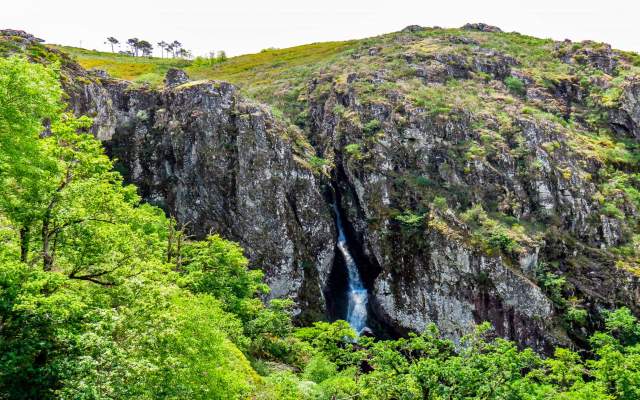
{"points": [[101, 297], [532, 150]]}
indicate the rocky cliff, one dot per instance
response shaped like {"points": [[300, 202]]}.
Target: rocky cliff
{"points": [[481, 175], [221, 164]]}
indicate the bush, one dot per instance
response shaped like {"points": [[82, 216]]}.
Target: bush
{"points": [[210, 60], [440, 203], [354, 150], [219, 267], [317, 162], [500, 240], [410, 219], [515, 85], [319, 369], [576, 315], [371, 126]]}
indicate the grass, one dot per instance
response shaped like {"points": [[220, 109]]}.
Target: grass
{"points": [[272, 65], [377, 70], [255, 69], [137, 69], [279, 72], [275, 76]]}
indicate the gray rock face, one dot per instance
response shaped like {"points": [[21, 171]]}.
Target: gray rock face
{"points": [[427, 271], [456, 288], [413, 28], [626, 118], [175, 77], [27, 37], [221, 164], [596, 55], [481, 27]]}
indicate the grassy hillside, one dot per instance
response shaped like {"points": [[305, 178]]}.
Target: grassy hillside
{"points": [[499, 79], [460, 129], [285, 72], [265, 67], [282, 72], [137, 69], [574, 86]]}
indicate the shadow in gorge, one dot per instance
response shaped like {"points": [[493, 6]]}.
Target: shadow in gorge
{"points": [[337, 292]]}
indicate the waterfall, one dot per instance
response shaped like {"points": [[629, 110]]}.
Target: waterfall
{"points": [[357, 296]]}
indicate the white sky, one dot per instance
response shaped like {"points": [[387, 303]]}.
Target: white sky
{"points": [[247, 26]]}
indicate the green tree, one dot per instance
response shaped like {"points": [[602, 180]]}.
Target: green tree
{"points": [[146, 48], [134, 44], [218, 267], [114, 42], [29, 95], [90, 306]]}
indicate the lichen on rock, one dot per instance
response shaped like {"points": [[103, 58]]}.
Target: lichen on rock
{"points": [[483, 175]]}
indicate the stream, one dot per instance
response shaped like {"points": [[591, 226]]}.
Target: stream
{"points": [[357, 296]]}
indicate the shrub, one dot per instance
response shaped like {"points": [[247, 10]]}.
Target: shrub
{"points": [[319, 369], [371, 126], [317, 162], [577, 315], [354, 150], [500, 240], [440, 203], [515, 85], [410, 219], [553, 285]]}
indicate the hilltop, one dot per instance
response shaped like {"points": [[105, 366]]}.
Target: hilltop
{"points": [[522, 150], [479, 191]]}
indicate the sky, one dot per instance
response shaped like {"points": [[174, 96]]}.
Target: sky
{"points": [[244, 26]]}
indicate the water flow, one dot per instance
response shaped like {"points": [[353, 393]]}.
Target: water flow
{"points": [[357, 296]]}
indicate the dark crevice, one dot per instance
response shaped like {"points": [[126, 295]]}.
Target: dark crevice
{"points": [[337, 286], [294, 208]]}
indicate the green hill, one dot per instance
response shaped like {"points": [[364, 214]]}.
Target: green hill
{"points": [[480, 188]]}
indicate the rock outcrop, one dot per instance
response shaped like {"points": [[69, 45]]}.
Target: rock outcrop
{"points": [[472, 189], [481, 27], [175, 77], [221, 164], [402, 169], [626, 118], [427, 271]]}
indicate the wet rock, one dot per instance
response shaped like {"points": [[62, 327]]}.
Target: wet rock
{"points": [[366, 331]]}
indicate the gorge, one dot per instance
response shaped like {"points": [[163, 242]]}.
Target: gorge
{"points": [[474, 180]]}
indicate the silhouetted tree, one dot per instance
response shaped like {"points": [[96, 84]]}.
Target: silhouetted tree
{"points": [[133, 42], [113, 42], [176, 46], [184, 53], [145, 47], [163, 46]]}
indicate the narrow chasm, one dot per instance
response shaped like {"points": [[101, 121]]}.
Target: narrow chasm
{"points": [[351, 279]]}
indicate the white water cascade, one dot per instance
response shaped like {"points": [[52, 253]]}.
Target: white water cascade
{"points": [[357, 296]]}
